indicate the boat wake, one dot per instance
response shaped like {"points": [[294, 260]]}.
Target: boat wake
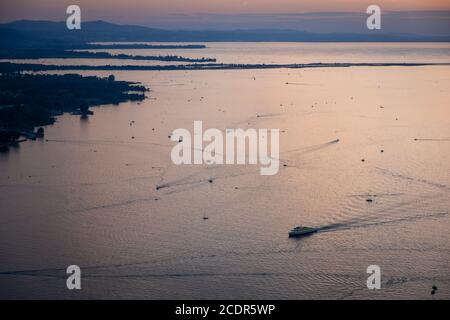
{"points": [[368, 223], [317, 147]]}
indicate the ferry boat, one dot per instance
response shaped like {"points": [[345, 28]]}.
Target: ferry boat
{"points": [[301, 231]]}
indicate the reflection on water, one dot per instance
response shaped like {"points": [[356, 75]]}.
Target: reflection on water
{"points": [[276, 53], [87, 194]]}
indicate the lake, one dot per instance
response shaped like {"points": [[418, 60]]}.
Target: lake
{"points": [[86, 194]]}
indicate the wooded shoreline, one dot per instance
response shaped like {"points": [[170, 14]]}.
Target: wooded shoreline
{"points": [[29, 101]]}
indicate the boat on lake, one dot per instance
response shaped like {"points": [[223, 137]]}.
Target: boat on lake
{"points": [[301, 231]]}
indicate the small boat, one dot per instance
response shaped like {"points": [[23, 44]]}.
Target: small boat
{"points": [[301, 231]]}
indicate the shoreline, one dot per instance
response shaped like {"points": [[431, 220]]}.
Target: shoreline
{"points": [[70, 54], [10, 67], [36, 100]]}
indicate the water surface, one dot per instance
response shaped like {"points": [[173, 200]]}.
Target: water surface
{"points": [[88, 196]]}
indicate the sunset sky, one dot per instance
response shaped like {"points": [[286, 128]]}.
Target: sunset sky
{"points": [[229, 14]]}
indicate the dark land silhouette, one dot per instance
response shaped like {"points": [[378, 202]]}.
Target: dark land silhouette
{"points": [[28, 101], [66, 54], [55, 34], [10, 67]]}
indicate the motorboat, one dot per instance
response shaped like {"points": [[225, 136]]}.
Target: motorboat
{"points": [[302, 231]]}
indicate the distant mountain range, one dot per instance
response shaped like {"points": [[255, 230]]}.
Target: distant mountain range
{"points": [[38, 34]]}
